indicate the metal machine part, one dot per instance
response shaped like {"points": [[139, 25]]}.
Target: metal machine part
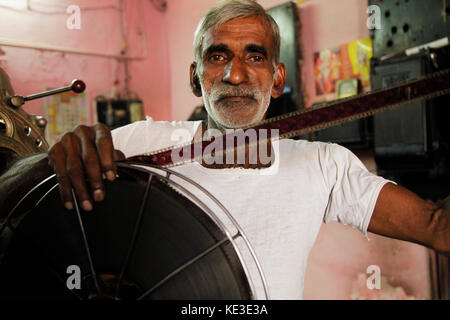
{"points": [[408, 23], [150, 239], [21, 133]]}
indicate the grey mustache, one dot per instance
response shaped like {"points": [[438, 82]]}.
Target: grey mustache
{"points": [[221, 97], [226, 93]]}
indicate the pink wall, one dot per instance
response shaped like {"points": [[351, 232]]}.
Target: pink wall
{"points": [[151, 77], [34, 70], [183, 17]]}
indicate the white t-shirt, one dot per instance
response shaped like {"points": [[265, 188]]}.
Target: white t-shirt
{"points": [[280, 208]]}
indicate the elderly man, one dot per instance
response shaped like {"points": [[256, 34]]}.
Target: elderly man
{"points": [[281, 206]]}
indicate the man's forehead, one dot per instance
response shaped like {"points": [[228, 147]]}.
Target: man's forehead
{"points": [[248, 30]]}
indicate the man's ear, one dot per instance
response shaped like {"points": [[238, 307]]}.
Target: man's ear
{"points": [[195, 82], [279, 82]]}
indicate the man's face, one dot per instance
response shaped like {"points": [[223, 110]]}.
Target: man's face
{"points": [[237, 72]]}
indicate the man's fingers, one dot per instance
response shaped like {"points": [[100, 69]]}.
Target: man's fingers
{"points": [[105, 149], [75, 169], [91, 162], [57, 160], [93, 171]]}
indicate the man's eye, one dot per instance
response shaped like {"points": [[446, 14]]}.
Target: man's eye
{"points": [[256, 58], [217, 57]]}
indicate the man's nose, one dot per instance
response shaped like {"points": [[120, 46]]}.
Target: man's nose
{"points": [[235, 72]]}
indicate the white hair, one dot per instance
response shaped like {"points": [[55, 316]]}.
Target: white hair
{"points": [[226, 10]]}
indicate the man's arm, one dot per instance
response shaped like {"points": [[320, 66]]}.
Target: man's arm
{"points": [[401, 214]]}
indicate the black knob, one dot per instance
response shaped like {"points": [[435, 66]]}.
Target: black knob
{"points": [[78, 86]]}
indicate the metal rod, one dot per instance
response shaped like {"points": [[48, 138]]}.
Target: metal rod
{"points": [[17, 101], [2, 227], [47, 93], [134, 236], [184, 266], [77, 86], [86, 245]]}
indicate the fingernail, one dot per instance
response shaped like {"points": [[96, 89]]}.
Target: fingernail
{"points": [[98, 195], [110, 175], [68, 205], [87, 206]]}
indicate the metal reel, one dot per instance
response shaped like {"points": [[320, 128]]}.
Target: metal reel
{"points": [[144, 241]]}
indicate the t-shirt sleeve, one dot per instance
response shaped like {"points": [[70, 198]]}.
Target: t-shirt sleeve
{"points": [[353, 189]]}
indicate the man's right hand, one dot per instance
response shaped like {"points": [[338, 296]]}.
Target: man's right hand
{"points": [[80, 159]]}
